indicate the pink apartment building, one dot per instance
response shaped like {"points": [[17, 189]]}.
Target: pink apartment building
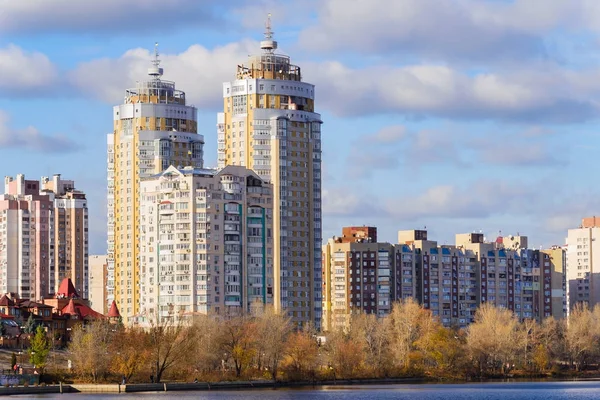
{"points": [[43, 236]]}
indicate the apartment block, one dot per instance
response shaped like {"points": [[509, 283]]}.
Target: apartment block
{"points": [[269, 125], [43, 236], [207, 242], [362, 276], [153, 129]]}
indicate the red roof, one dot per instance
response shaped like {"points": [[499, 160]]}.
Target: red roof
{"points": [[5, 301], [81, 310], [114, 311], [66, 289]]}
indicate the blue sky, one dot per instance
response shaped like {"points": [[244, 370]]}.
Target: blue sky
{"points": [[459, 116]]}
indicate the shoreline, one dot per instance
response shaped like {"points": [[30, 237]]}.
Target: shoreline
{"points": [[248, 385]]}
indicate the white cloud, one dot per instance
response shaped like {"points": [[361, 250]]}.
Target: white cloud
{"points": [[550, 94], [461, 29], [198, 71], [25, 73], [30, 138], [40, 16]]}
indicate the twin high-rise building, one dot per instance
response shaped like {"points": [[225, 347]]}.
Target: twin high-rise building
{"points": [[269, 125], [153, 129], [261, 240], [43, 237]]}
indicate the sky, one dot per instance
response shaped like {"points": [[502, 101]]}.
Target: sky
{"points": [[457, 116]]}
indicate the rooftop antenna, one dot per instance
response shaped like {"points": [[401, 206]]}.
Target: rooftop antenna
{"points": [[268, 44], [155, 71]]}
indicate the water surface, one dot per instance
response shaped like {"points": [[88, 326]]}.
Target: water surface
{"points": [[573, 390]]}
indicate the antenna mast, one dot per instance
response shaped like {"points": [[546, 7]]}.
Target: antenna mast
{"points": [[155, 71], [268, 44]]}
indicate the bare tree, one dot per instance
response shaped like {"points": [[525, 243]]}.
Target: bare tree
{"points": [[207, 351], [169, 340], [273, 330]]}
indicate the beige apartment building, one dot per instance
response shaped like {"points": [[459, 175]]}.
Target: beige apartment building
{"points": [[206, 243], [583, 268], [153, 129], [98, 274], [43, 236], [269, 125]]}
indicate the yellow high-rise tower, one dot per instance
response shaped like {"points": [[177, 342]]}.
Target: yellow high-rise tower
{"points": [[269, 125], [153, 129]]}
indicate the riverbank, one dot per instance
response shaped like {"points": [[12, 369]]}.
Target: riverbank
{"points": [[200, 386]]}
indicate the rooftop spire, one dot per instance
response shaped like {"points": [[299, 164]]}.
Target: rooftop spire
{"points": [[155, 71], [268, 44]]}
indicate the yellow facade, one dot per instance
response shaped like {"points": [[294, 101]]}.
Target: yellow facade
{"points": [[146, 140]]}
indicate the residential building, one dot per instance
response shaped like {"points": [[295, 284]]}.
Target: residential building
{"points": [[153, 129], [43, 236], [583, 268], [555, 284], [98, 274], [362, 276], [207, 242], [446, 278], [70, 233], [269, 125]]}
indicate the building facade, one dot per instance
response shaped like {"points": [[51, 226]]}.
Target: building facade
{"points": [[98, 274], [452, 281], [362, 276], [269, 125], [583, 269], [207, 242], [153, 129]]}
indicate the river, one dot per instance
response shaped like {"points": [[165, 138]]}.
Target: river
{"points": [[573, 390]]}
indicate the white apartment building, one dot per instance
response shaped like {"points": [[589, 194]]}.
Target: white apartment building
{"points": [[206, 242]]}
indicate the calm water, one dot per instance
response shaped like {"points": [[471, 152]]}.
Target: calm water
{"points": [[489, 391]]}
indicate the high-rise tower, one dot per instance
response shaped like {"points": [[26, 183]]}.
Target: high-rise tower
{"points": [[269, 125], [153, 129]]}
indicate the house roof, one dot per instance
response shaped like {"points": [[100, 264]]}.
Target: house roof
{"points": [[114, 311], [66, 289], [6, 301], [81, 310]]}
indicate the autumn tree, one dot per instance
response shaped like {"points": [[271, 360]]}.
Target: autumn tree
{"points": [[239, 341], [373, 336], [129, 351], [39, 348], [409, 323], [302, 356], [494, 339], [272, 330], [90, 348], [345, 356], [582, 335]]}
